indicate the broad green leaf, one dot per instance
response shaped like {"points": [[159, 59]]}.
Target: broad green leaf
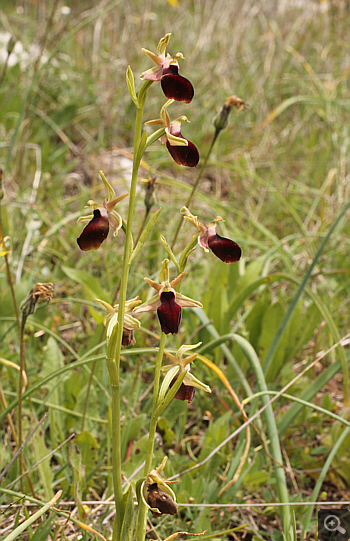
{"points": [[270, 323], [88, 447], [79, 476], [40, 451], [90, 284]]}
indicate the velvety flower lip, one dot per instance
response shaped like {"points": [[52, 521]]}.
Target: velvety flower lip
{"points": [[183, 151], [169, 313], [157, 494], [103, 217], [166, 70], [95, 232], [176, 87], [225, 249], [168, 303], [187, 156]]}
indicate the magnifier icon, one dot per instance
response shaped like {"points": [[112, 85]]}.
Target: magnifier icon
{"points": [[332, 524]]}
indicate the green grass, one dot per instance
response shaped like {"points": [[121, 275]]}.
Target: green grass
{"points": [[278, 175]]}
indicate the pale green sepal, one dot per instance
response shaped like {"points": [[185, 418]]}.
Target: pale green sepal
{"points": [[162, 45], [127, 530], [164, 272], [131, 85], [110, 191], [83, 219], [186, 302], [185, 348], [111, 344], [144, 234], [141, 147], [186, 252], [168, 378], [170, 395], [175, 141], [192, 381], [170, 252]]}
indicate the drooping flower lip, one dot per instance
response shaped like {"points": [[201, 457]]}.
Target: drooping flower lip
{"points": [[95, 232], [169, 313], [176, 87], [225, 249], [185, 393], [186, 155]]}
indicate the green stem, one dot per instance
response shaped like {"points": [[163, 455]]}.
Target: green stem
{"points": [[113, 362], [189, 200], [142, 510]]}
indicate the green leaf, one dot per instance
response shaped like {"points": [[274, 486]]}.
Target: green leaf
{"points": [[88, 447], [127, 529], [40, 451], [144, 235], [131, 85], [270, 324], [90, 284], [92, 289], [79, 476]]}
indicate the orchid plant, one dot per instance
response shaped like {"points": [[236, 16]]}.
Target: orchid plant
{"points": [[121, 321]]}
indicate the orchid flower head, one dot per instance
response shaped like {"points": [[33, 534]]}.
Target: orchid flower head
{"points": [[130, 323], [225, 249], [103, 216], [156, 493], [183, 151], [178, 365], [168, 303], [166, 70]]}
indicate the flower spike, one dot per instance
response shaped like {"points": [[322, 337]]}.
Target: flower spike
{"points": [[98, 223], [166, 71], [225, 249], [168, 303]]}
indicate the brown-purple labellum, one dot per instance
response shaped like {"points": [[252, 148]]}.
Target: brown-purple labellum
{"points": [[128, 338], [176, 87], [186, 392], [225, 249], [158, 499], [188, 156], [169, 313], [94, 233]]}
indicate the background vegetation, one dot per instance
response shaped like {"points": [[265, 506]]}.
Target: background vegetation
{"points": [[278, 175]]}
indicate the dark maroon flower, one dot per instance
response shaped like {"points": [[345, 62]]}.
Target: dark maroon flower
{"points": [[103, 216], [167, 302], [185, 392], [169, 313], [166, 70], [95, 232], [176, 87], [188, 156], [225, 249]]}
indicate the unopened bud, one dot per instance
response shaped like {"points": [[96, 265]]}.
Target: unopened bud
{"points": [[221, 119], [11, 45], [149, 197], [39, 292]]}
